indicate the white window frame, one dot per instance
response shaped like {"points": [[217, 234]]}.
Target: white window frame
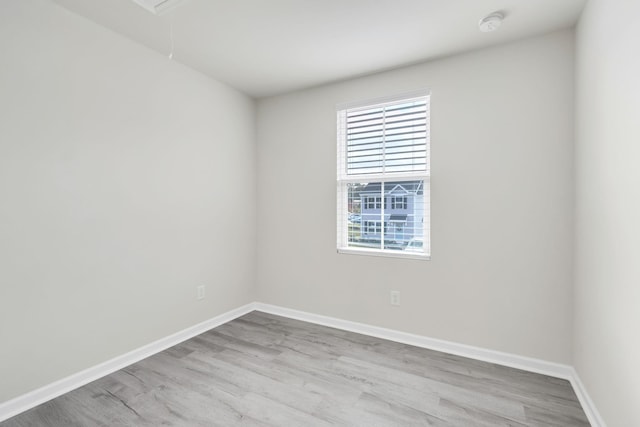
{"points": [[344, 178]]}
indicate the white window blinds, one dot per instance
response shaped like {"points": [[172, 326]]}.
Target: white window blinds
{"points": [[384, 138]]}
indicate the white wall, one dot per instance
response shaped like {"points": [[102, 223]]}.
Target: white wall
{"points": [[502, 203], [607, 268], [125, 181]]}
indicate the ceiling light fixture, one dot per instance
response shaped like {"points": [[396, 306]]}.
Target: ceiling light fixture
{"points": [[491, 22], [157, 7]]}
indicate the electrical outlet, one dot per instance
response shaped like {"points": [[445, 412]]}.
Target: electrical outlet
{"points": [[200, 292], [395, 298]]}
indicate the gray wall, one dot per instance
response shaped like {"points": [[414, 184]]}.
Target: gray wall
{"points": [[502, 203], [126, 180], [607, 268]]}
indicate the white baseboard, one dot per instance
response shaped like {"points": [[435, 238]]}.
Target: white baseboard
{"points": [[34, 398], [587, 404], [29, 400], [539, 366], [506, 359]]}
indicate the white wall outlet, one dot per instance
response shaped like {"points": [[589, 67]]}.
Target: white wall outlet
{"points": [[395, 297], [200, 292]]}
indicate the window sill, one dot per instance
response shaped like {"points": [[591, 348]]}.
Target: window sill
{"points": [[384, 253]]}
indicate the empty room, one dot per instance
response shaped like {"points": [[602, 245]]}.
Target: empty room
{"points": [[313, 213]]}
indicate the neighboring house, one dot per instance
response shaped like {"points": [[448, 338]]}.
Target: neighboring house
{"points": [[402, 215]]}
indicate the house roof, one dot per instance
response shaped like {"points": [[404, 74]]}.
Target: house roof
{"points": [[413, 187]]}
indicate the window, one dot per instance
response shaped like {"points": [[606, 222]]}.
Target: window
{"points": [[399, 202], [384, 173], [372, 202], [372, 227]]}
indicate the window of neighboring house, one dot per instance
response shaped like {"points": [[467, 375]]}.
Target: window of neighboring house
{"points": [[399, 202], [372, 227], [368, 202], [372, 202], [383, 150]]}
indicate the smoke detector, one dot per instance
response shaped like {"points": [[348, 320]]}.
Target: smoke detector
{"points": [[157, 7], [491, 22]]}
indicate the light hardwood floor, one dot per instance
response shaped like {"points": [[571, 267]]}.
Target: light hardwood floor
{"points": [[265, 370]]}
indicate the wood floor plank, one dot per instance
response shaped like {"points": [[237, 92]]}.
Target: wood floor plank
{"points": [[266, 370]]}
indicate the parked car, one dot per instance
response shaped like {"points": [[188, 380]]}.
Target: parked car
{"points": [[415, 245], [354, 218]]}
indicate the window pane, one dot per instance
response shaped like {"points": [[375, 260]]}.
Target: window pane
{"points": [[404, 221], [399, 225], [362, 229]]}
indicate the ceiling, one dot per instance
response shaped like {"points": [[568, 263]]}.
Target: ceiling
{"points": [[267, 47]]}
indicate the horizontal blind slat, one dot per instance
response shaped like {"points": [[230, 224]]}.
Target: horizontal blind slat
{"points": [[380, 117]]}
